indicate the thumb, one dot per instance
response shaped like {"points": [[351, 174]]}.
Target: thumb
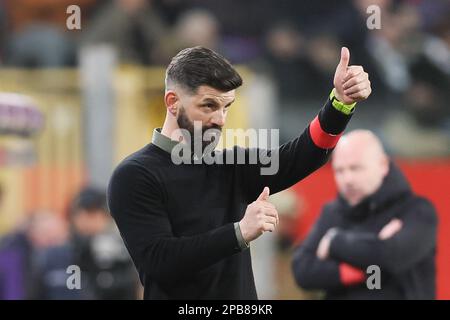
{"points": [[264, 194], [345, 59]]}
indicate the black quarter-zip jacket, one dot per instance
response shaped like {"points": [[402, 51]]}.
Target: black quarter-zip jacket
{"points": [[177, 220]]}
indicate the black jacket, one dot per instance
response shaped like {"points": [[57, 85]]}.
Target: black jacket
{"points": [[406, 260], [177, 221]]}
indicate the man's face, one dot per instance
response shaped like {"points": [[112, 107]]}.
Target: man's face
{"points": [[47, 229], [358, 172], [90, 223], [207, 108]]}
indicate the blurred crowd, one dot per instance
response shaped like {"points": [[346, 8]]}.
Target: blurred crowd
{"points": [[296, 43], [35, 258]]}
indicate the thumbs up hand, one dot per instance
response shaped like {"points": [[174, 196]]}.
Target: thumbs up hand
{"points": [[351, 83], [264, 196], [259, 217]]}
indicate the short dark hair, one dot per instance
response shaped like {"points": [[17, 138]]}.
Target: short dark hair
{"points": [[197, 66], [89, 199]]}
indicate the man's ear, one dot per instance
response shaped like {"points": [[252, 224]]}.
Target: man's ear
{"points": [[385, 164], [171, 100]]}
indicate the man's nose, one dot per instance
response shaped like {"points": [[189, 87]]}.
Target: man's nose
{"points": [[219, 118], [347, 178]]}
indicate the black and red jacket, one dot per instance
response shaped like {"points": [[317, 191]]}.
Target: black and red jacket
{"points": [[177, 221], [406, 260]]}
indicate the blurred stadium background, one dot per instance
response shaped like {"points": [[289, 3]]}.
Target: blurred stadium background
{"points": [[73, 103]]}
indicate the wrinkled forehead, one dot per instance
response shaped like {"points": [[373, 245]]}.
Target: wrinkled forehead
{"points": [[206, 92], [353, 155], [350, 154]]}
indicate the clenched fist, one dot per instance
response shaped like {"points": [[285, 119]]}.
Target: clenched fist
{"points": [[260, 216], [351, 83]]}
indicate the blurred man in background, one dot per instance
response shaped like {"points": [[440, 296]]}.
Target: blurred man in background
{"points": [[107, 271], [376, 220], [34, 258]]}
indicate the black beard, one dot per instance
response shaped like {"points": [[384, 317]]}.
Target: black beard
{"points": [[196, 133]]}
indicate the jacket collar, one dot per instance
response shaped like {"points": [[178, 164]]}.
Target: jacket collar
{"points": [[163, 142]]}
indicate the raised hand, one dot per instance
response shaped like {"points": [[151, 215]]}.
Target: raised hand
{"points": [[351, 83], [259, 217]]}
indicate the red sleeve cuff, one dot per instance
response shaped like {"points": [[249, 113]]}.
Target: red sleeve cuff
{"points": [[321, 138], [350, 275]]}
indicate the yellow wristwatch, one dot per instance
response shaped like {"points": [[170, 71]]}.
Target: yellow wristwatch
{"points": [[340, 106]]}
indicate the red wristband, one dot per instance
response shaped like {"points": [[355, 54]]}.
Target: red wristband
{"points": [[321, 138], [350, 275]]}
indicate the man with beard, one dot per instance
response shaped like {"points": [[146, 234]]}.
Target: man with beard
{"points": [[375, 221], [188, 226]]}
